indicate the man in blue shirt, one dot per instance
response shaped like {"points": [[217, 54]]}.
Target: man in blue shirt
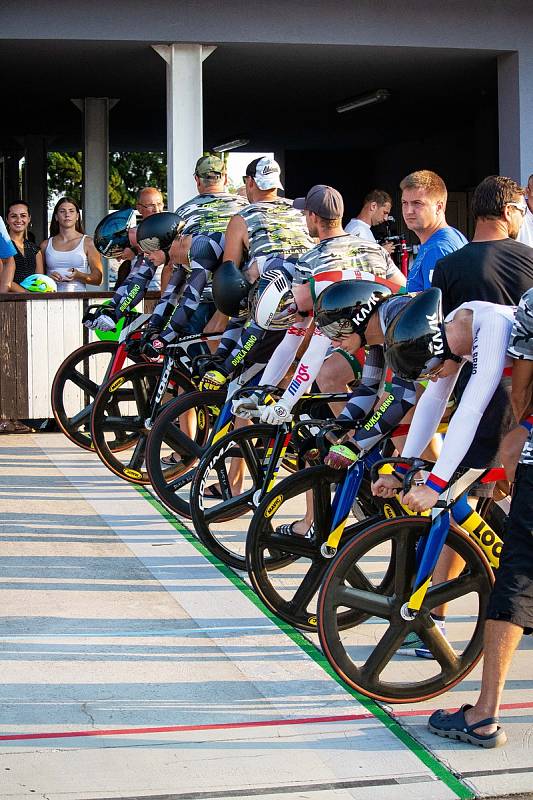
{"points": [[424, 198], [7, 251]]}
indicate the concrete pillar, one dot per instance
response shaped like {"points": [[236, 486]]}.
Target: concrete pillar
{"points": [[95, 200], [184, 116], [35, 184], [515, 112]]}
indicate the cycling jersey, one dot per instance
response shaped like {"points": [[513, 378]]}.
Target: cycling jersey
{"points": [[275, 228], [521, 347], [344, 257], [206, 218], [491, 329], [210, 213]]}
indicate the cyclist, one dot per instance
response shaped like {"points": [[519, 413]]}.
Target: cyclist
{"points": [[354, 313], [478, 332], [510, 611], [268, 234], [337, 256], [145, 273], [195, 255]]}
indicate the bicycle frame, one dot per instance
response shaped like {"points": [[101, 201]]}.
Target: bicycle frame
{"points": [[455, 503]]}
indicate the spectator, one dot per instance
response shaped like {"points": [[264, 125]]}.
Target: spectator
{"points": [[70, 256], [424, 198], [510, 610], [493, 267], [149, 201], [7, 262], [526, 231], [28, 258], [376, 209]]}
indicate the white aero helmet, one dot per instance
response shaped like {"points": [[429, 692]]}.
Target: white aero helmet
{"points": [[39, 283], [272, 304]]}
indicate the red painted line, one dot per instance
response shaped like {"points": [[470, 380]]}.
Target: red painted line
{"points": [[179, 728], [226, 726]]}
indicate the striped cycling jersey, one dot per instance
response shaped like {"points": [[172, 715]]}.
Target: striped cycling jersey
{"points": [[345, 252], [210, 213], [275, 228]]}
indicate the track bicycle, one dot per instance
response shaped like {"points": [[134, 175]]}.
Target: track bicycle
{"points": [[342, 507], [213, 419], [79, 377], [243, 466], [407, 549], [129, 402]]}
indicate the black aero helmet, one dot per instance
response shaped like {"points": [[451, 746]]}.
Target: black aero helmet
{"points": [[158, 231], [346, 306], [415, 341], [111, 233], [230, 290]]}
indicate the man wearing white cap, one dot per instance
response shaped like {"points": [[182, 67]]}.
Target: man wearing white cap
{"points": [[268, 233]]}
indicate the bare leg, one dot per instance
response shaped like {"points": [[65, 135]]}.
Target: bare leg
{"points": [[501, 641], [334, 376]]}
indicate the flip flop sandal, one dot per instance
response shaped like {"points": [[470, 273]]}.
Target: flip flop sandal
{"points": [[288, 530], [172, 461], [455, 726], [213, 491], [20, 427]]}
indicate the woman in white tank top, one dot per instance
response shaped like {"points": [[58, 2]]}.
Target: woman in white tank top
{"points": [[71, 258]]}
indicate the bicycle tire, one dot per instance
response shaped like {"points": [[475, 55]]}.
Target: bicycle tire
{"points": [[75, 422], [172, 489], [228, 542], [347, 654], [291, 597], [108, 419]]}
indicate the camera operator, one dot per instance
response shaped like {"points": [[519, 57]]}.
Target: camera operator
{"points": [[375, 211]]}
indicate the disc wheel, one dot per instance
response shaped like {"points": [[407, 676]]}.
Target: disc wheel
{"points": [[181, 430], [236, 466], [291, 593], [366, 656], [121, 409], [76, 384]]}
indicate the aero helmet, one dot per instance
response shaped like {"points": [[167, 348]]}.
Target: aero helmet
{"points": [[39, 283], [230, 290], [158, 231], [415, 341], [345, 307], [272, 303], [111, 234]]}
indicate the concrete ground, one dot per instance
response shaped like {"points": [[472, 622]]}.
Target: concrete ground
{"points": [[134, 667]]}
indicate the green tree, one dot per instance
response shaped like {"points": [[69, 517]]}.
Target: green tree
{"points": [[128, 172]]}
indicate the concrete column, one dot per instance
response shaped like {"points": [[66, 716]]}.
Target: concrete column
{"points": [[184, 116], [515, 112], [95, 200], [35, 184]]}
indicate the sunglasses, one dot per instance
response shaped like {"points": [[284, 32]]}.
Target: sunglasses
{"points": [[521, 207]]}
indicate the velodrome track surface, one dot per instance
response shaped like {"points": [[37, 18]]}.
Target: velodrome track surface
{"points": [[132, 666]]}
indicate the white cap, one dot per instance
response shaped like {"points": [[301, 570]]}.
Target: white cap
{"points": [[267, 174]]}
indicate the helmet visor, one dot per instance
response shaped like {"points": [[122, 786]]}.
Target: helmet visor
{"points": [[336, 329]]}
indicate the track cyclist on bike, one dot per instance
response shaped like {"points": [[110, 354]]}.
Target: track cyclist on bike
{"points": [[478, 332], [337, 256], [269, 234], [121, 243], [194, 255]]}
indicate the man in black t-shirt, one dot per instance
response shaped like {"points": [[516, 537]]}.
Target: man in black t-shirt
{"points": [[493, 267]]}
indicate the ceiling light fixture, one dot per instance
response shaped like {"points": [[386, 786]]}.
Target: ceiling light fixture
{"points": [[223, 148], [379, 96]]}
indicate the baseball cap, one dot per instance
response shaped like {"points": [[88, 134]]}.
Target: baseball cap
{"points": [[323, 200], [210, 167], [265, 172]]}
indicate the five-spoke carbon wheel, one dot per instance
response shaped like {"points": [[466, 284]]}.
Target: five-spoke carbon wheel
{"points": [[366, 655]]}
